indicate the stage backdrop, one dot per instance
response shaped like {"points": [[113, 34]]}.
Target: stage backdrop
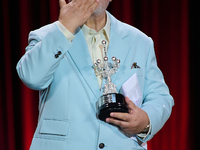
{"points": [[165, 21]]}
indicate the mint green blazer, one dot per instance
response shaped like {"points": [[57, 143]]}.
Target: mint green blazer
{"points": [[68, 89]]}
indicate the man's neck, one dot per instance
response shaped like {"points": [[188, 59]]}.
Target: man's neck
{"points": [[97, 21]]}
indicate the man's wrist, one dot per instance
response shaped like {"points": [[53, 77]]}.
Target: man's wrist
{"points": [[145, 132], [70, 36], [146, 129]]}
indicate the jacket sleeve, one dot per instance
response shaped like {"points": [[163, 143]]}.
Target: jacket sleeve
{"points": [[47, 47], [158, 102]]}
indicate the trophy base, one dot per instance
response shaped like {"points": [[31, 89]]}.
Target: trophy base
{"points": [[111, 103]]}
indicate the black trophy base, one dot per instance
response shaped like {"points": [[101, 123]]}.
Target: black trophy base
{"points": [[118, 104]]}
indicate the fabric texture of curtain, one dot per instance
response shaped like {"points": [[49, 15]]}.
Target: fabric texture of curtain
{"points": [[166, 22]]}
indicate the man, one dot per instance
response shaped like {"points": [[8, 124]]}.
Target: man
{"points": [[58, 62]]}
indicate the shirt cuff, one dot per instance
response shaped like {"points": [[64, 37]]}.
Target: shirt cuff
{"points": [[66, 32], [144, 135]]}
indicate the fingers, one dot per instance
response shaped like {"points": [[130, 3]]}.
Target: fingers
{"points": [[121, 116], [119, 119], [76, 13], [131, 106], [94, 6], [120, 123], [62, 3], [88, 5]]}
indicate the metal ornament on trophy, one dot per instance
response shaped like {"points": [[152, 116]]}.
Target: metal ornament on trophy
{"points": [[111, 100]]}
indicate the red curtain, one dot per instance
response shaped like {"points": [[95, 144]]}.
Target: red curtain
{"points": [[165, 21]]}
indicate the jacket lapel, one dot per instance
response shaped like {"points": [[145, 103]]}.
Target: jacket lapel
{"points": [[81, 57], [118, 46]]}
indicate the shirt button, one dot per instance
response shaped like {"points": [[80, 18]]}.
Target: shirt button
{"points": [[101, 145]]}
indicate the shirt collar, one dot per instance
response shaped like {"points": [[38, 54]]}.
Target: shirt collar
{"points": [[106, 29]]}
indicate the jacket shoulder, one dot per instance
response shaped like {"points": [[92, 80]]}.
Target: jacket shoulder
{"points": [[40, 33], [126, 30]]}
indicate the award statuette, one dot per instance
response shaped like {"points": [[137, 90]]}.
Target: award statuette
{"points": [[111, 100]]}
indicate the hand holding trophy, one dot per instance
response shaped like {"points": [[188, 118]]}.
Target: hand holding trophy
{"points": [[111, 100]]}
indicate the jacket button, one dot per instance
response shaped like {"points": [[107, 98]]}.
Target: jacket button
{"points": [[59, 52], [56, 55], [101, 145]]}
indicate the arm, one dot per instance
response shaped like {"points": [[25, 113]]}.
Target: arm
{"points": [[158, 102], [156, 107], [37, 66], [48, 45]]}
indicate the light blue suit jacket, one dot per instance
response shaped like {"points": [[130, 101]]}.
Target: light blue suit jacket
{"points": [[69, 90]]}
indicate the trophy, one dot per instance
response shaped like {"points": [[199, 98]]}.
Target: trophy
{"points": [[111, 100]]}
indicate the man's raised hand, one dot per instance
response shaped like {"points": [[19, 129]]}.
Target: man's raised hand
{"points": [[76, 13]]}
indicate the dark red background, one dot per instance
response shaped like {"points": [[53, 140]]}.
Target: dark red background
{"points": [[173, 25]]}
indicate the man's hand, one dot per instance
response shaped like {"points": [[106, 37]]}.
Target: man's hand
{"points": [[133, 122], [76, 13]]}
